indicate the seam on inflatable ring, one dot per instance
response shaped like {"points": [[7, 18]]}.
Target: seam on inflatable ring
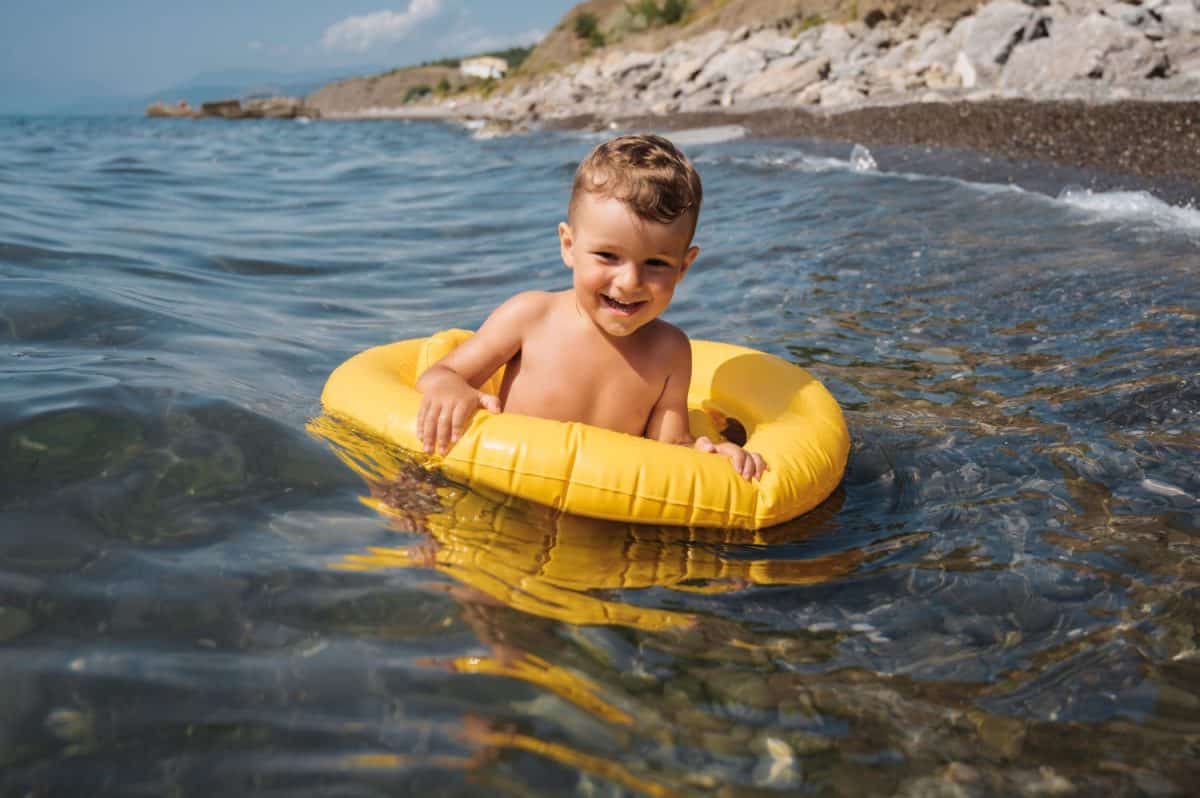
{"points": [[567, 481]]}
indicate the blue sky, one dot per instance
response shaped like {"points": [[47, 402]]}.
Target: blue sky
{"points": [[57, 50]]}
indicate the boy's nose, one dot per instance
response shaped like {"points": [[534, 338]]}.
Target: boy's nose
{"points": [[630, 276]]}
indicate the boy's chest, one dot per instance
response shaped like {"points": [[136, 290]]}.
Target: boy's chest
{"points": [[570, 380]]}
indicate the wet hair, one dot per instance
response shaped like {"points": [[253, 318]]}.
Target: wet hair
{"points": [[644, 171]]}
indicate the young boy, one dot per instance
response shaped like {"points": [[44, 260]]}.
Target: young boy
{"points": [[596, 353]]}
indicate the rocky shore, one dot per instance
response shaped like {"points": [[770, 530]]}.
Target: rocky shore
{"points": [[1112, 85], [1065, 49], [1156, 140], [260, 108]]}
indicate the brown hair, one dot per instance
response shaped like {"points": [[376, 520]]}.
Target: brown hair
{"points": [[646, 172]]}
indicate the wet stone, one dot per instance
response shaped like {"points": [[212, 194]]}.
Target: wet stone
{"points": [[750, 690], [1004, 735], [723, 743], [14, 622]]}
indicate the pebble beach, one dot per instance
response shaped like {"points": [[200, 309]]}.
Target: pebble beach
{"points": [[1113, 87]]}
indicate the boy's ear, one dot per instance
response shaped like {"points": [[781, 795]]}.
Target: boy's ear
{"points": [[564, 243], [688, 258]]}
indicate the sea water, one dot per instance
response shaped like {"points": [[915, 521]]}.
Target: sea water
{"points": [[199, 594]]}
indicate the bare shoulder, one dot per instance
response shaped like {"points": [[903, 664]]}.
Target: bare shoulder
{"points": [[526, 306], [668, 343]]}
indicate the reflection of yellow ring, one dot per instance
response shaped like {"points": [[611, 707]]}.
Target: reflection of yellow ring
{"points": [[790, 418], [560, 566]]}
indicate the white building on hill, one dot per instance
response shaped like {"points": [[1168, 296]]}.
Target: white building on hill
{"points": [[484, 67]]}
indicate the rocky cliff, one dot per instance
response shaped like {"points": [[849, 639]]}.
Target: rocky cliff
{"points": [[617, 28], [1046, 49], [822, 55], [406, 92], [376, 94]]}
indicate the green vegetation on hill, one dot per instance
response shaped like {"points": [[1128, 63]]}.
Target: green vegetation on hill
{"points": [[653, 14], [588, 28], [513, 56], [415, 85], [639, 15]]}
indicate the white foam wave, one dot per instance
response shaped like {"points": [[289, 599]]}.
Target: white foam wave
{"points": [[691, 137], [1138, 206], [797, 160], [861, 159]]}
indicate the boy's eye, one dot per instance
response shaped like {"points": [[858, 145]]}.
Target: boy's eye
{"points": [[658, 264], [607, 256]]}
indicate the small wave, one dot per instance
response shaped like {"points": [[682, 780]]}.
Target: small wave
{"points": [[259, 267], [42, 311], [716, 134], [1133, 205], [861, 159], [1107, 206], [125, 165]]}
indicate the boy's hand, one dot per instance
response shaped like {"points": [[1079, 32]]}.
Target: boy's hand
{"points": [[749, 464], [445, 412]]}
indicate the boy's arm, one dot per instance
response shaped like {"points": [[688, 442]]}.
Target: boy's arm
{"points": [[669, 419], [450, 388]]}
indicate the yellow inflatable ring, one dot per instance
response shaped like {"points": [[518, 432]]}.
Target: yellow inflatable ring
{"points": [[789, 417]]}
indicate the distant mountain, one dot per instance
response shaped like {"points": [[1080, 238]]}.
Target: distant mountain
{"points": [[253, 83], [205, 87], [34, 94]]}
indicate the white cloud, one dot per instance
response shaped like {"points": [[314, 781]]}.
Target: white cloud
{"points": [[361, 33]]}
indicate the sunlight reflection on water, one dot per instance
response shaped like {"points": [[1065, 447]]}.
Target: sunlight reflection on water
{"points": [[197, 593]]}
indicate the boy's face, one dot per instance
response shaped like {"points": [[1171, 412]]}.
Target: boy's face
{"points": [[626, 268]]}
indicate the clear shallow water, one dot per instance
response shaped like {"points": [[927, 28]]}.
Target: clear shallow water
{"points": [[198, 594]]}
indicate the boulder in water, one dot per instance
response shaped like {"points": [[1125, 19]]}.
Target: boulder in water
{"points": [[180, 110]]}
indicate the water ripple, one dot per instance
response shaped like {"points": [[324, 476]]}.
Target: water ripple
{"points": [[197, 595]]}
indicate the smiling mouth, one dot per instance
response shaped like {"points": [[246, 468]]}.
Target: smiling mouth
{"points": [[624, 308]]}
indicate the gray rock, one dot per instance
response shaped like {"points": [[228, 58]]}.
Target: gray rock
{"points": [[939, 78], [588, 76], [790, 75], [772, 44], [735, 65], [876, 42], [618, 68], [180, 110], [896, 59], [990, 36], [704, 100], [646, 78], [811, 95], [1183, 55], [965, 72], [226, 109], [808, 43], [1180, 17], [701, 49], [1034, 65], [937, 47], [842, 93], [277, 108], [835, 41], [1095, 47], [557, 93], [863, 54], [1133, 16]]}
